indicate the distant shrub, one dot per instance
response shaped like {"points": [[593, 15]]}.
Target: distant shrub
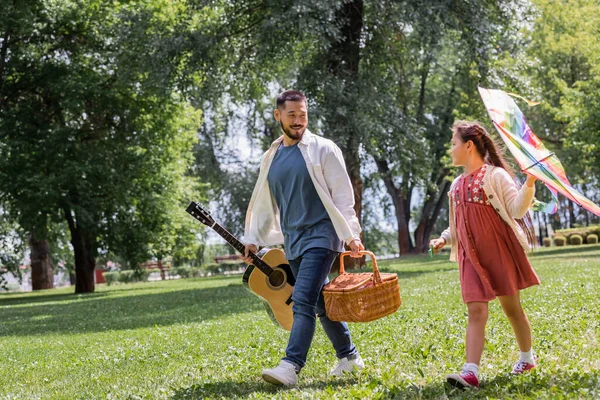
{"points": [[233, 265], [576, 239], [547, 242], [183, 272], [560, 240], [127, 276], [220, 268], [111, 277], [141, 275], [212, 268], [153, 271], [582, 231], [592, 239], [11, 287]]}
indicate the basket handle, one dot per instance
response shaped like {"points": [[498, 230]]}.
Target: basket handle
{"points": [[376, 275]]}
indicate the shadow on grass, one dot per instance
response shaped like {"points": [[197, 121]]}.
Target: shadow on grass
{"points": [[11, 299], [414, 273], [553, 251], [540, 383], [98, 312], [404, 272], [229, 389], [536, 384]]}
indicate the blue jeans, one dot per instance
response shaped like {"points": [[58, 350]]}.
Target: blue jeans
{"points": [[311, 270]]}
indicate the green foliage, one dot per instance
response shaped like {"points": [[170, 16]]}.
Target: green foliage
{"points": [[560, 241], [233, 265], [383, 77], [592, 239], [557, 64], [95, 133], [127, 276], [164, 339], [228, 266], [582, 231], [111, 277], [183, 272], [547, 242], [213, 250], [575, 239]]}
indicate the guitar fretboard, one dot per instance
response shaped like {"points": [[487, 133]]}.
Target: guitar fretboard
{"points": [[239, 246]]}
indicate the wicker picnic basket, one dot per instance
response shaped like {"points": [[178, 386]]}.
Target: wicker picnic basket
{"points": [[361, 297]]}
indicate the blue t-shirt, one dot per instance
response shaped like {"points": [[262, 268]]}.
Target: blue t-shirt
{"points": [[304, 220]]}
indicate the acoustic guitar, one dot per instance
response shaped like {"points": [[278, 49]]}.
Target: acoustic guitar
{"points": [[269, 276]]}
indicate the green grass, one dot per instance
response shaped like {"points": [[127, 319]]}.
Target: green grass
{"points": [[210, 338]]}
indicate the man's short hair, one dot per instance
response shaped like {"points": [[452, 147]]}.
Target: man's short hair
{"points": [[290, 95]]}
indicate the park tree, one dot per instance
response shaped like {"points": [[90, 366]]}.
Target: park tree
{"points": [[384, 80], [91, 129], [565, 44], [557, 63]]}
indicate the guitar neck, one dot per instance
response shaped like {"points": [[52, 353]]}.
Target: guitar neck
{"points": [[239, 246]]}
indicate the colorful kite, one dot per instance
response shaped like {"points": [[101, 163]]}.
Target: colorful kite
{"points": [[531, 154]]}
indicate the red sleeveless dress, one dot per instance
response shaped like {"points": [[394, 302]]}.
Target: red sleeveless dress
{"points": [[491, 260]]}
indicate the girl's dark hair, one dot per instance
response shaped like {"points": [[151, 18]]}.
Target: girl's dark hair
{"points": [[488, 150]]}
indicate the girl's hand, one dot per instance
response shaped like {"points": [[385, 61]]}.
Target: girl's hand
{"points": [[530, 180], [437, 244]]}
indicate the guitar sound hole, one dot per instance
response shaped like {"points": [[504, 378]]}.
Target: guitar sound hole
{"points": [[276, 278]]}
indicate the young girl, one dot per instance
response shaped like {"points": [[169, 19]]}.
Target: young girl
{"points": [[489, 237]]}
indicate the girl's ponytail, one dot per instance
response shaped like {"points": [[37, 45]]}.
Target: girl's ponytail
{"points": [[488, 150], [493, 156]]}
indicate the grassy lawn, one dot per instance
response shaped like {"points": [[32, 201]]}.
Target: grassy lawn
{"points": [[210, 338]]}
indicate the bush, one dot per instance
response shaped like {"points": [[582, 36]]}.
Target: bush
{"points": [[576, 239], [127, 276], [582, 231], [141, 275], [233, 265], [547, 242], [183, 272], [153, 271], [592, 239], [212, 268], [111, 277], [560, 240]]}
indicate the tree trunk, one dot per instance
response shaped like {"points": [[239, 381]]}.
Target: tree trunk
{"points": [[572, 218], [343, 63], [85, 262], [42, 269], [431, 210], [399, 199]]}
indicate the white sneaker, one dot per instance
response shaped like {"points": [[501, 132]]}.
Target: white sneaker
{"points": [[284, 374], [348, 366]]}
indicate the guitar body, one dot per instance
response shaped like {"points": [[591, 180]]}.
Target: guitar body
{"points": [[269, 276], [275, 290]]}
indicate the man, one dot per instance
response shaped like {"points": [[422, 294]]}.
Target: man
{"points": [[303, 198]]}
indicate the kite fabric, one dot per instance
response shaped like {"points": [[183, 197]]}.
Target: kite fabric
{"points": [[531, 154]]}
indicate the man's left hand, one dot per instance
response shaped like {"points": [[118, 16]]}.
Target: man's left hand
{"points": [[355, 246]]}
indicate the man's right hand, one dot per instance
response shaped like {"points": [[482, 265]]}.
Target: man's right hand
{"points": [[249, 248], [437, 244]]}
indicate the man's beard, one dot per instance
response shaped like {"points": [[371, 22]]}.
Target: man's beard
{"points": [[292, 135]]}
